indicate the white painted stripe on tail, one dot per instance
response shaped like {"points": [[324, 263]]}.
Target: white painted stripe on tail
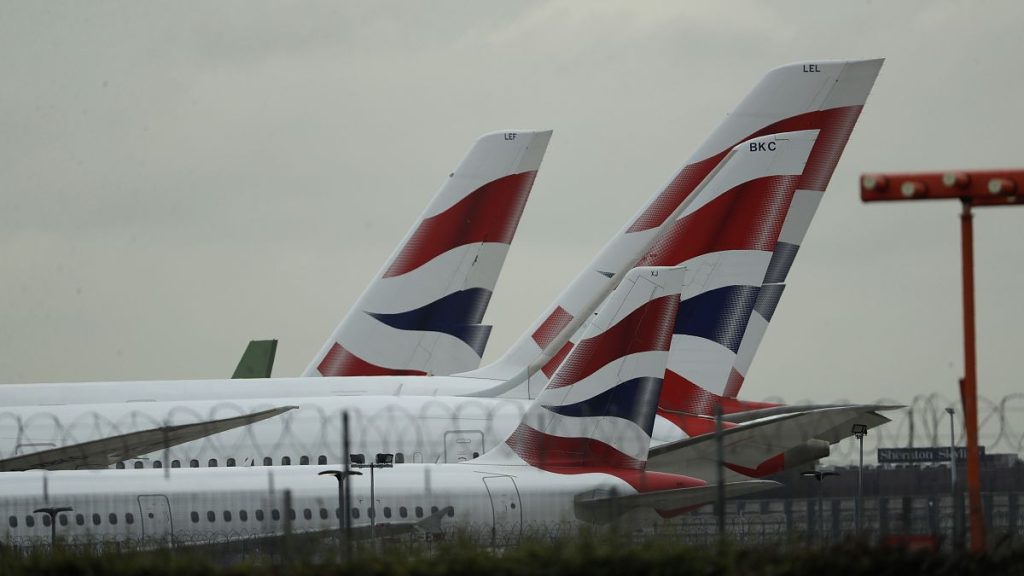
{"points": [[703, 362], [465, 267], [756, 328], [759, 165], [798, 219]]}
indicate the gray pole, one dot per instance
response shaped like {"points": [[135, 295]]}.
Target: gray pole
{"points": [[720, 491], [860, 431], [373, 505], [52, 513], [821, 516], [860, 487], [952, 479], [347, 503]]}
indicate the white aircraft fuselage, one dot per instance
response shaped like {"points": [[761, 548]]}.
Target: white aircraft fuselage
{"points": [[204, 505]]}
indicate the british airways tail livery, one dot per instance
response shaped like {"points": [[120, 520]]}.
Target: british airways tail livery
{"points": [[598, 411], [422, 313], [824, 97], [746, 242]]}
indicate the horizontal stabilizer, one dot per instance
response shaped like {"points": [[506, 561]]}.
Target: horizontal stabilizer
{"points": [[108, 451], [749, 444], [603, 507]]}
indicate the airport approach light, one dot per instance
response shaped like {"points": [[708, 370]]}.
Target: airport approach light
{"points": [[972, 188]]}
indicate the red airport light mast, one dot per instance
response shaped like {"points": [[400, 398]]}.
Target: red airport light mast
{"points": [[971, 188]]}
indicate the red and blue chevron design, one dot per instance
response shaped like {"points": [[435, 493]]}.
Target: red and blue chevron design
{"points": [[750, 217], [597, 413], [422, 314]]}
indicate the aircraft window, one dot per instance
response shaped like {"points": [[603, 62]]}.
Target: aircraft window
{"points": [[291, 513], [63, 519], [193, 463], [230, 463], [286, 461], [137, 465], [210, 516], [324, 514], [337, 513], [243, 515], [268, 461], [30, 521], [321, 460], [433, 509], [419, 512], [403, 512], [211, 463], [13, 521], [46, 520], [119, 466], [304, 460], [175, 463], [307, 514], [387, 512], [112, 518], [158, 464], [129, 518], [259, 514], [195, 517], [275, 514], [96, 519], [399, 458], [451, 511], [79, 519], [227, 515], [355, 512]]}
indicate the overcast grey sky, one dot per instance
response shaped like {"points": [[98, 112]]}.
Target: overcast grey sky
{"points": [[178, 178]]}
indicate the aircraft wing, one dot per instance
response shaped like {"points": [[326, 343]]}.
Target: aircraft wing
{"points": [[602, 507], [108, 451], [751, 443]]}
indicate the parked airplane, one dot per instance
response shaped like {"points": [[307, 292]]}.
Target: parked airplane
{"points": [[578, 456], [847, 86], [422, 313]]}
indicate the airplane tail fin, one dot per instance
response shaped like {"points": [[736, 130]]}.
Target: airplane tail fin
{"points": [[823, 97], [258, 360], [422, 313], [742, 243], [598, 410]]}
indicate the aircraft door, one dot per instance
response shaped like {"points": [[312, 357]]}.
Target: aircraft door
{"points": [[462, 445], [507, 509], [155, 511]]}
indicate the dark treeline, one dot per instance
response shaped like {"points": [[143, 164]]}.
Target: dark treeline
{"points": [[584, 556]]}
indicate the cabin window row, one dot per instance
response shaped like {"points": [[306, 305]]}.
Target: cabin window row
{"points": [[80, 519], [211, 516], [231, 462], [307, 513]]}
